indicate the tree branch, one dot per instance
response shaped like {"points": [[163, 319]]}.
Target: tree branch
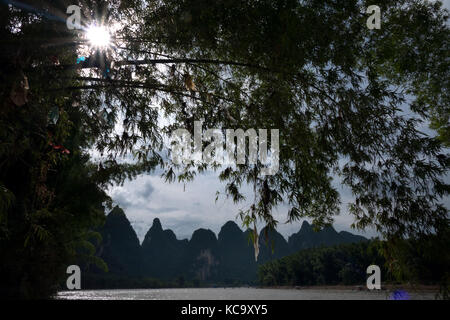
{"points": [[162, 61]]}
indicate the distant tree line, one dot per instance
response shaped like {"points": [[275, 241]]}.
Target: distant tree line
{"points": [[341, 264], [346, 264]]}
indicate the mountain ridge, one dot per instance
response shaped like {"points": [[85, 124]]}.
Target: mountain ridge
{"points": [[226, 257]]}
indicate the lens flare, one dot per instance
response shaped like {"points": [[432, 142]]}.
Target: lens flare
{"points": [[98, 36]]}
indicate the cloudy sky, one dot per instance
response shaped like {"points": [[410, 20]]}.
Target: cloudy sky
{"points": [[187, 208], [446, 4]]}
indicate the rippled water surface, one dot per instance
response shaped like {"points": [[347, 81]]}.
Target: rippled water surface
{"points": [[235, 294]]}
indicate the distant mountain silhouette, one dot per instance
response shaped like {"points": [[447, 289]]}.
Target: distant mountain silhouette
{"points": [[307, 238], [228, 258], [236, 254], [163, 254], [120, 247], [202, 255], [272, 245]]}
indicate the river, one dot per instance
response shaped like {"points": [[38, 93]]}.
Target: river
{"points": [[236, 294]]}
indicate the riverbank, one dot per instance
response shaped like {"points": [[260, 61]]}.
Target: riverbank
{"points": [[386, 287]]}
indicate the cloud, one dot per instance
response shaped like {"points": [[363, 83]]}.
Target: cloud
{"points": [[164, 209], [136, 193], [147, 190], [123, 198]]}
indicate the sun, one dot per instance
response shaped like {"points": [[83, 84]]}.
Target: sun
{"points": [[98, 36]]}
